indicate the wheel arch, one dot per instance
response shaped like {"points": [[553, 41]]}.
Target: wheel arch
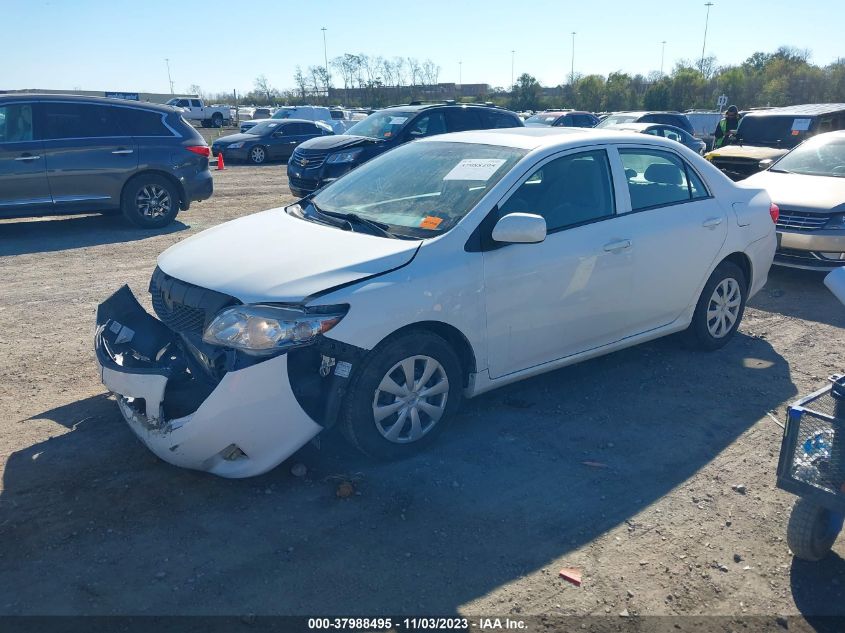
{"points": [[452, 335], [158, 172], [744, 262]]}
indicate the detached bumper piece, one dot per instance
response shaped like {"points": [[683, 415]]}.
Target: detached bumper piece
{"points": [[245, 424]]}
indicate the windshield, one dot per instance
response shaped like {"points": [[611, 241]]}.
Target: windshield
{"points": [[259, 129], [283, 113], [615, 119], [383, 125], [774, 131], [542, 119], [820, 156], [420, 189]]}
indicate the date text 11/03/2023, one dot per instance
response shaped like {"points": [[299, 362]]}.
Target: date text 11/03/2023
{"points": [[416, 623]]}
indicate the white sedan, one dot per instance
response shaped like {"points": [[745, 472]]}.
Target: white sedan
{"points": [[437, 271]]}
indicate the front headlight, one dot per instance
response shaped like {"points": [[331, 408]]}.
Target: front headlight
{"points": [[836, 221], [345, 157], [263, 330], [235, 145]]}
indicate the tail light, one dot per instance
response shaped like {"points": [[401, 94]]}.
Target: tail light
{"points": [[202, 150], [774, 211]]}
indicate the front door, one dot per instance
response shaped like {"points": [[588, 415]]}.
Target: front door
{"points": [[23, 177], [89, 157], [569, 293]]}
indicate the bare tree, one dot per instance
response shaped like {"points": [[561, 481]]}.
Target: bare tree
{"points": [[430, 72], [262, 86], [301, 82], [194, 89], [414, 71]]}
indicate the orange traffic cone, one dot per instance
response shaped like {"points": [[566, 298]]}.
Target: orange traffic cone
{"points": [[220, 163]]}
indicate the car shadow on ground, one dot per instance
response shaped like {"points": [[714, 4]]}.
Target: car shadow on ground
{"points": [[62, 233], [526, 474], [795, 292], [819, 590]]}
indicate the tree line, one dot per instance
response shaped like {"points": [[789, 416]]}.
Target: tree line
{"points": [[784, 77]]}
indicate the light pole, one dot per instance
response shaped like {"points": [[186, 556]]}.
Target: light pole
{"points": [[513, 56], [169, 78], [326, 59], [704, 43], [662, 56], [572, 70], [460, 72]]}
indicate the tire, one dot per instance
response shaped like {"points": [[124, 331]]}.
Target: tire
{"points": [[216, 120], [205, 123], [703, 333], [258, 155], [812, 530], [150, 201], [409, 422]]}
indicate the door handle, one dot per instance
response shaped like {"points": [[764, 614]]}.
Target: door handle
{"points": [[615, 247], [711, 223], [123, 151], [27, 158]]}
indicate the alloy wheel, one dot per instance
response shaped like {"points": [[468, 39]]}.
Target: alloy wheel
{"points": [[257, 154], [410, 399], [153, 201]]}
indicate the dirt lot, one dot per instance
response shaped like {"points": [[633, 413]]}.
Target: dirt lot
{"points": [[92, 523]]}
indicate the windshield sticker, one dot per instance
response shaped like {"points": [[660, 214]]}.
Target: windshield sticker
{"points": [[800, 125], [398, 120], [475, 169], [430, 222]]}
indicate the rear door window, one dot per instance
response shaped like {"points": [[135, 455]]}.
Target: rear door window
{"points": [[428, 125], [459, 119], [657, 179], [80, 120], [195, 103]]}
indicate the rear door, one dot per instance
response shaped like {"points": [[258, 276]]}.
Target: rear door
{"points": [[88, 155], [23, 176]]}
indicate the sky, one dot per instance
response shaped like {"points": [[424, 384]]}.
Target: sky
{"points": [[120, 45]]}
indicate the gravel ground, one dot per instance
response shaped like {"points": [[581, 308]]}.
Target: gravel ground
{"points": [[92, 523]]}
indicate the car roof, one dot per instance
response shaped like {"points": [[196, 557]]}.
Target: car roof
{"points": [[811, 109], [634, 126], [36, 96], [531, 138], [640, 113], [427, 106]]}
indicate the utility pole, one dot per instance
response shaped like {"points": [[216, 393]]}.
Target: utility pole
{"points": [[662, 56], [460, 78], [704, 43], [326, 59], [572, 70], [169, 78], [513, 56]]}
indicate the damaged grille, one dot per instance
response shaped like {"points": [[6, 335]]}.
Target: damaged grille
{"points": [[183, 307], [309, 158]]}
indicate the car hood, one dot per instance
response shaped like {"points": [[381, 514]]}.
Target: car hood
{"points": [[338, 141], [272, 256], [746, 151], [799, 192], [234, 138]]}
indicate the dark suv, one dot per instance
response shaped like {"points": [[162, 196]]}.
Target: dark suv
{"points": [[321, 160], [678, 119], [62, 154]]}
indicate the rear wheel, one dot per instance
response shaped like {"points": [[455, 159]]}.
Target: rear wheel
{"points": [[402, 396], [258, 155], [150, 201], [719, 309], [812, 530]]}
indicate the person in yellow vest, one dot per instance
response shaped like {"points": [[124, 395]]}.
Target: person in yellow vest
{"points": [[727, 127]]}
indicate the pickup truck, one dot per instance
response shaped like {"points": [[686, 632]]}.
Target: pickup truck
{"points": [[196, 110]]}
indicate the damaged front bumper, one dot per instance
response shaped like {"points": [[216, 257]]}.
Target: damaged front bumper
{"points": [[244, 425]]}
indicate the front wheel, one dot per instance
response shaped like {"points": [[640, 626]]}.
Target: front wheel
{"points": [[150, 201], [812, 530], [217, 120], [258, 155], [402, 396], [719, 309]]}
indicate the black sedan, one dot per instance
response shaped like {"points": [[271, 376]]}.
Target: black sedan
{"points": [[271, 139], [666, 131]]}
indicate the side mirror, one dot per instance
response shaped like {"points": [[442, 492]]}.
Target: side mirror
{"points": [[520, 228], [765, 163]]}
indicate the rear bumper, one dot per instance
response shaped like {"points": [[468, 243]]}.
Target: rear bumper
{"points": [[199, 187], [248, 424], [814, 250]]}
